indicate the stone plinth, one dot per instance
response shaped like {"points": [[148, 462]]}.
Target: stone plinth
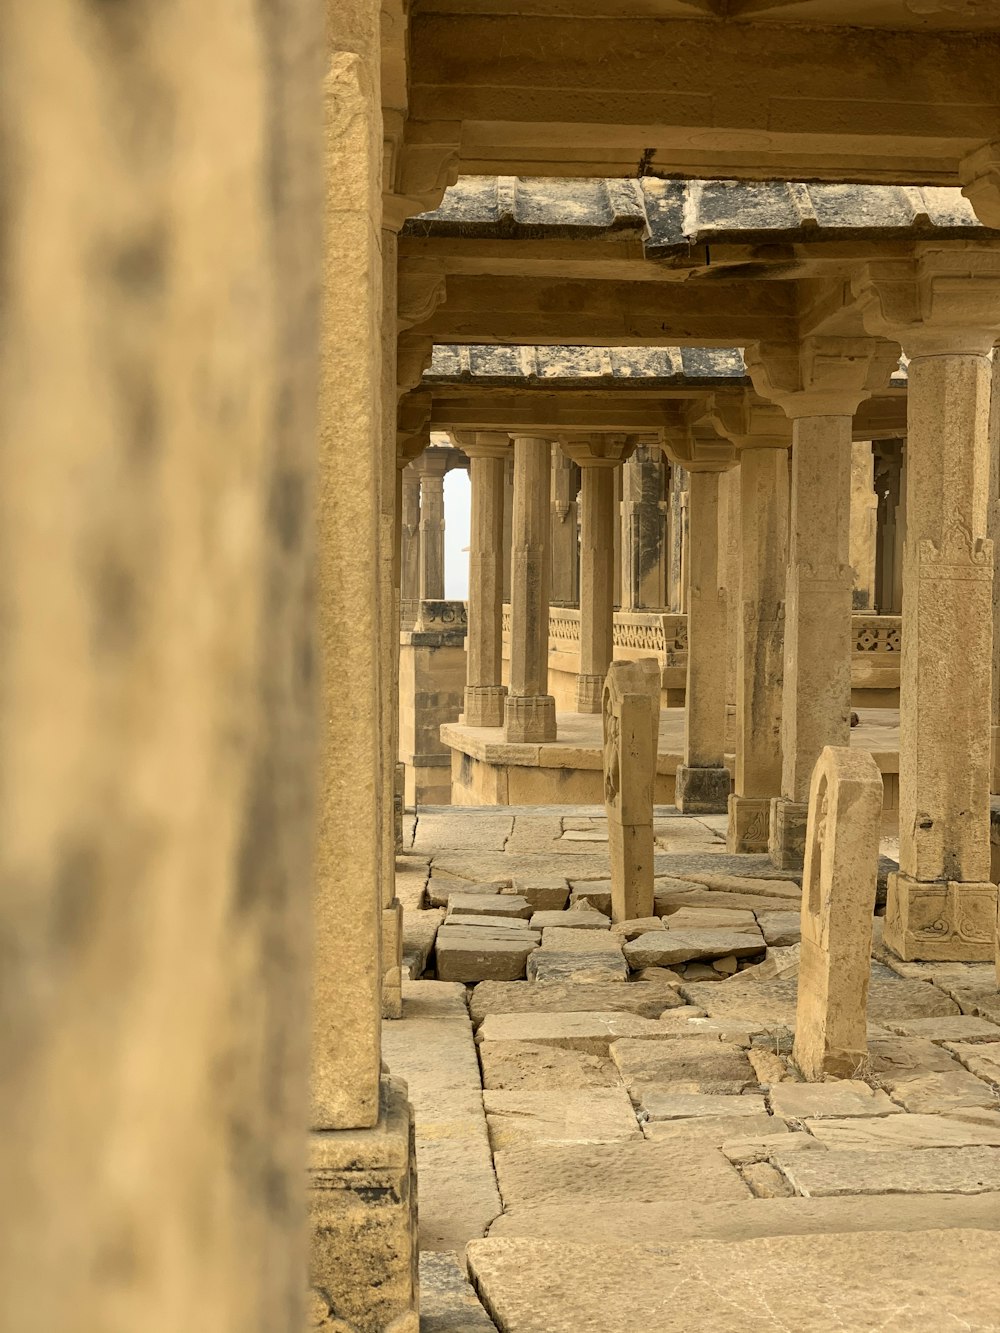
{"points": [[363, 1212], [432, 674], [838, 901]]}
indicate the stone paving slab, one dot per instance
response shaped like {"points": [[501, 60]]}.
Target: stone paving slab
{"points": [[845, 1097], [605, 1223], [780, 929], [981, 1059], [592, 893], [580, 965], [478, 904], [774, 1002], [892, 1171], [420, 928], [432, 1048], [592, 1032], [594, 1115], [537, 1068], [458, 832], [663, 948], [671, 896], [578, 920], [565, 939], [641, 1172], [699, 1060], [631, 930], [448, 1303], [514, 925], [954, 1027], [678, 1106], [646, 998], [905, 1131], [533, 1286], [441, 890], [710, 918], [713, 1130], [716, 878], [468, 955], [895, 1059], [545, 893], [946, 1094], [743, 1150]]}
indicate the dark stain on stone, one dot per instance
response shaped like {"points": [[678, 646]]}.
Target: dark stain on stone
{"points": [[258, 842], [286, 508], [116, 604], [76, 892]]}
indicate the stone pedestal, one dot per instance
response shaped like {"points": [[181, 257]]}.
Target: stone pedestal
{"points": [[432, 673], [484, 694], [702, 791], [530, 711], [363, 1213], [941, 904], [787, 833]]}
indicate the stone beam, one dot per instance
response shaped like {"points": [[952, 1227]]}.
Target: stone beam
{"points": [[587, 313], [559, 95]]}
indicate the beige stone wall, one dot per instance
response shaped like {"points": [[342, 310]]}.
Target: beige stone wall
{"points": [[157, 377]]}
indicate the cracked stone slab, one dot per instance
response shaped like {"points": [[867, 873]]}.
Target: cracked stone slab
{"points": [[710, 918], [774, 1002], [845, 1097], [536, 1068], [593, 1115], [686, 1059], [780, 929], [575, 921], [893, 1171], [579, 965], [659, 1105], [440, 891], [746, 1149], [955, 1093], [592, 1032], [663, 948], [714, 1130], [647, 999], [545, 893], [905, 1131], [534, 1286], [464, 831], [981, 1059], [479, 904], [640, 1172], [954, 1028]]}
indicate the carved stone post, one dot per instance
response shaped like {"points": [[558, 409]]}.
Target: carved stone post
{"points": [[944, 308], [484, 695], [761, 433], [530, 711], [703, 782], [838, 902], [631, 709], [819, 384], [599, 457], [565, 589]]}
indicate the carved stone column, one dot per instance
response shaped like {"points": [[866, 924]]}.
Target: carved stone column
{"points": [[410, 556], [864, 525], [432, 465], [484, 695], [644, 544], [565, 590], [530, 711], [819, 384], [508, 522], [944, 309], [599, 457], [761, 433]]}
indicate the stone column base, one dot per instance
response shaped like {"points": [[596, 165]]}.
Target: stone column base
{"points": [[940, 921], [363, 1221], [787, 839], [528, 718], [702, 791], [589, 693], [748, 823], [484, 705]]}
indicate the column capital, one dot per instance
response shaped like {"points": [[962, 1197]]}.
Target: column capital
{"points": [[413, 357], [434, 461], [416, 175], [749, 422], [597, 449], [820, 376], [421, 288], [482, 443], [937, 303], [413, 417], [697, 449], [979, 173]]}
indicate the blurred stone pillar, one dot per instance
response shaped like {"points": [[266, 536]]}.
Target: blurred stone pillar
{"points": [[644, 545], [432, 465], [530, 711]]}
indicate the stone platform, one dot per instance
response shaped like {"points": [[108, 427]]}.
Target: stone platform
{"points": [[486, 770], [596, 1153]]}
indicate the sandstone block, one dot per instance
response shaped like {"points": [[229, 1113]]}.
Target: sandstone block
{"points": [[664, 974], [591, 1032], [956, 1027], [715, 1129], [566, 940], [630, 930], [876, 1134], [773, 1002], [946, 1094], [448, 1303], [594, 1115], [707, 1062], [646, 998], [579, 965], [979, 1058], [662, 948], [638, 1171], [532, 1067], [766, 1182], [479, 904], [780, 928], [510, 925], [892, 1171], [565, 920], [677, 1106], [441, 888], [594, 894], [742, 1149], [711, 918], [476, 955], [846, 1097], [544, 893]]}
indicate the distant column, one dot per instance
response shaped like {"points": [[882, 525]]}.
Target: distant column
{"points": [[530, 711], [410, 555], [565, 590], [644, 545], [432, 465]]}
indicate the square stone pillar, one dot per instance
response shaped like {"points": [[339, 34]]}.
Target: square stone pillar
{"points": [[508, 522], [432, 465], [432, 673], [644, 545], [945, 310], [599, 458], [484, 694], [410, 554], [703, 781], [864, 525], [159, 702], [819, 384], [530, 711], [565, 590]]}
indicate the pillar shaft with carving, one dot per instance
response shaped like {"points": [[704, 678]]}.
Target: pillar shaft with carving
{"points": [[565, 589], [530, 711], [410, 543], [644, 545], [432, 466], [945, 311]]}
